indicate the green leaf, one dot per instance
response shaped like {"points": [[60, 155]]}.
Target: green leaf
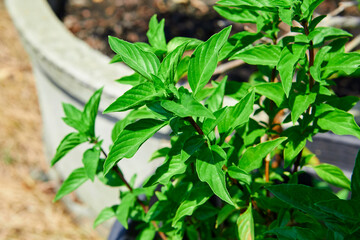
{"points": [[209, 169], [116, 58], [168, 67], [162, 152], [91, 160], [290, 55], [253, 156], [236, 14], [104, 215], [273, 91], [355, 179], [147, 234], [343, 103], [71, 111], [224, 214], [346, 62], [268, 55], [130, 140], [339, 122], [321, 34], [143, 62], [332, 174], [315, 70], [188, 106], [204, 60], [192, 43], [245, 224], [133, 79], [238, 114], [111, 178], [73, 118], [91, 110], [69, 142], [123, 210], [239, 174], [171, 167], [302, 197], [215, 101], [296, 143], [135, 97], [156, 33], [182, 68], [288, 233], [299, 103], [237, 90], [75, 180], [198, 195], [307, 8], [131, 117], [347, 210]]}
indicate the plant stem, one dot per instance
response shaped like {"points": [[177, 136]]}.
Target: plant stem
{"points": [[143, 206], [311, 55], [297, 162], [267, 168], [195, 125], [311, 84]]}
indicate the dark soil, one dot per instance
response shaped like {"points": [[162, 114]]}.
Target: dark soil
{"points": [[94, 20]]}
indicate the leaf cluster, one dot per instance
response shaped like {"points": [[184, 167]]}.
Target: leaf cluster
{"points": [[228, 173]]}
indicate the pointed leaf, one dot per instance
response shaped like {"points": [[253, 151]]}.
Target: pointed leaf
{"points": [[239, 174], [91, 110], [332, 174], [172, 166], [339, 122], [321, 34], [236, 14], [346, 62], [253, 156], [290, 55], [143, 62], [245, 224], [215, 100], [273, 91], [192, 43], [209, 169], [268, 55], [130, 140], [71, 111], [135, 97], [104, 215], [299, 103], [204, 60], [302, 197], [69, 142], [188, 106], [347, 210], [238, 114], [156, 33], [90, 160], [198, 195], [168, 67], [133, 79], [123, 210], [75, 180]]}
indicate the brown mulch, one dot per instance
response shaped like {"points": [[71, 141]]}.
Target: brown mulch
{"points": [[26, 208]]}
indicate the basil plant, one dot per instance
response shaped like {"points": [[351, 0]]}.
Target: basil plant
{"points": [[231, 171]]}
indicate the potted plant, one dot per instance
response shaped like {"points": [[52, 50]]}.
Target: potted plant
{"points": [[225, 174]]}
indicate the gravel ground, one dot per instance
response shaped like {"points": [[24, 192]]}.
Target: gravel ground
{"points": [[26, 208]]}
